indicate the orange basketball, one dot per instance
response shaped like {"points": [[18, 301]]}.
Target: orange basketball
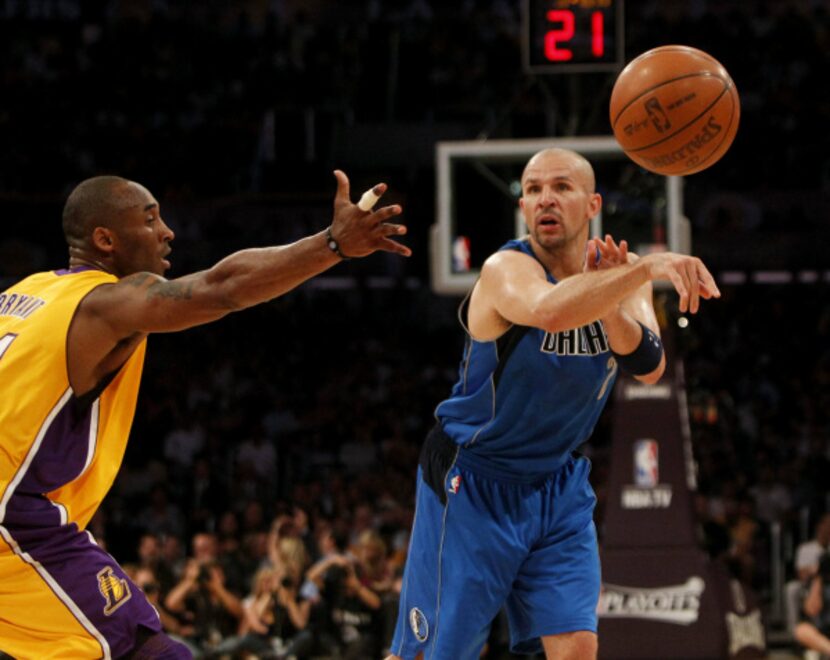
{"points": [[675, 110]]}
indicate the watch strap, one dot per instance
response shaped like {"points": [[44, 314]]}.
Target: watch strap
{"points": [[333, 245]]}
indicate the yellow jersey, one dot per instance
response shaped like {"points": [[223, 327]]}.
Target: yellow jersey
{"points": [[54, 445], [61, 594]]}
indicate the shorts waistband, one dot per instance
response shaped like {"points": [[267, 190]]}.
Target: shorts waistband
{"points": [[438, 442]]}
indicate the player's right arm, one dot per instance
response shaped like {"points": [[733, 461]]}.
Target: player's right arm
{"points": [[114, 318], [513, 289], [145, 303]]}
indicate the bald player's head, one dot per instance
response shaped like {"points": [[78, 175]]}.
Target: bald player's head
{"points": [[94, 203], [115, 225], [581, 169]]}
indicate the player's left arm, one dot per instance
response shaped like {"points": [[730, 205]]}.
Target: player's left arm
{"points": [[631, 327]]}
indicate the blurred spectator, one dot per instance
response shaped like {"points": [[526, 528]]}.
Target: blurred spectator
{"points": [[184, 442], [371, 556], [808, 554], [150, 558], [355, 610], [204, 495], [172, 554], [232, 554], [814, 629], [348, 617], [201, 598], [147, 581], [161, 516], [228, 534], [256, 456], [273, 612], [772, 498]]}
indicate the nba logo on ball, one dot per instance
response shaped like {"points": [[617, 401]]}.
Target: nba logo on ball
{"points": [[646, 464], [674, 110]]}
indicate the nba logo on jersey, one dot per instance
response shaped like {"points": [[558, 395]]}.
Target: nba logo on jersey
{"points": [[646, 464], [455, 484]]}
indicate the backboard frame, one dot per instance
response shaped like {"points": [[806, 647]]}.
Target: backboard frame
{"points": [[443, 280]]}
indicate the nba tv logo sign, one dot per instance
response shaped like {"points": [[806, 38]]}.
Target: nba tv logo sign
{"points": [[646, 463], [646, 492]]}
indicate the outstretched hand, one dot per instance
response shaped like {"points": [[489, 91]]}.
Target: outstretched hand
{"points": [[359, 232], [690, 277]]}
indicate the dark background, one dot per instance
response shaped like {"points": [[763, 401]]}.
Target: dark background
{"points": [[234, 114]]}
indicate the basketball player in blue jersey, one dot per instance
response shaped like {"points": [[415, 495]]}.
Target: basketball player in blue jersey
{"points": [[71, 352], [504, 510]]}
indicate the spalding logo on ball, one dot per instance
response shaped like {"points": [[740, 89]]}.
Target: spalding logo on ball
{"points": [[675, 110]]}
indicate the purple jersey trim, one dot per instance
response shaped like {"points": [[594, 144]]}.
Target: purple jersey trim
{"points": [[64, 451], [32, 513], [81, 575], [74, 269]]}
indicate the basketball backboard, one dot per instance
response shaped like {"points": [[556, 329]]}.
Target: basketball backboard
{"points": [[477, 192]]}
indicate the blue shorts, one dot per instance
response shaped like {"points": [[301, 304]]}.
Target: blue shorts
{"points": [[488, 544]]}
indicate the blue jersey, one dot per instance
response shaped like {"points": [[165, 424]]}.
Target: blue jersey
{"points": [[525, 401]]}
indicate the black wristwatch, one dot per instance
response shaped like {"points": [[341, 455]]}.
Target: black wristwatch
{"points": [[334, 246]]}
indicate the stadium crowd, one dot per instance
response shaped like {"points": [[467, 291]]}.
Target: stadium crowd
{"points": [[266, 496]]}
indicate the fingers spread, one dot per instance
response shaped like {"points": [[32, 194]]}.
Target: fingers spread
{"points": [[361, 229]]}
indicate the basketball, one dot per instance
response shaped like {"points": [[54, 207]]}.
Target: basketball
{"points": [[674, 110]]}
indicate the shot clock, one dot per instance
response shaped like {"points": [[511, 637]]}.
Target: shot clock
{"points": [[572, 35]]}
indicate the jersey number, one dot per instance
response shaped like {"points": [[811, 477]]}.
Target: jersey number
{"points": [[611, 365], [6, 341]]}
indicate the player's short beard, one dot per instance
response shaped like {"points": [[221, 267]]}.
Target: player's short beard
{"points": [[551, 244]]}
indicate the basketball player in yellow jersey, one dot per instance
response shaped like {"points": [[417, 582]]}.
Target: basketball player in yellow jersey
{"points": [[71, 351]]}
